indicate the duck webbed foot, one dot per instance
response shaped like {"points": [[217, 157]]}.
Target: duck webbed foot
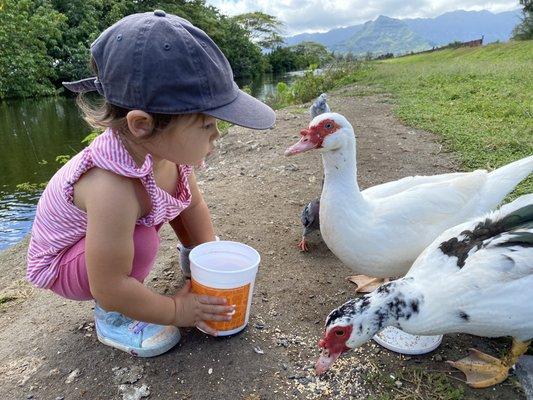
{"points": [[366, 284], [483, 371]]}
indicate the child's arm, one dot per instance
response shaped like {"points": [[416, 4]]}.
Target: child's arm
{"points": [[113, 206], [194, 226]]}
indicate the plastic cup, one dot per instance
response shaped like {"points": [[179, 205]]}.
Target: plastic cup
{"points": [[226, 269]]}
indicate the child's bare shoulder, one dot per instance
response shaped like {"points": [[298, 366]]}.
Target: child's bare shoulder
{"points": [[103, 176], [104, 187]]}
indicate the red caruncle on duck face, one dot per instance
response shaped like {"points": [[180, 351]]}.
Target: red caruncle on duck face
{"points": [[313, 137], [333, 344]]}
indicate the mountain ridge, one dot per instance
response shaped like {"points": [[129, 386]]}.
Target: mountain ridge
{"points": [[385, 35]]}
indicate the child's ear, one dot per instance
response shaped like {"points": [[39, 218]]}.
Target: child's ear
{"points": [[140, 124]]}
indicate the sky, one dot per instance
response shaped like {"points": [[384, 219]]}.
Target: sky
{"points": [[322, 15]]}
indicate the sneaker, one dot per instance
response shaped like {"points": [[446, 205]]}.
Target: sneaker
{"points": [[138, 338]]}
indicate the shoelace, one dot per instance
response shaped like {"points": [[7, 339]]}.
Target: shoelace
{"points": [[138, 326], [116, 319]]}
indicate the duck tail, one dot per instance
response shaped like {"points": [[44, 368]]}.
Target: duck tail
{"points": [[514, 223], [502, 181], [518, 212]]}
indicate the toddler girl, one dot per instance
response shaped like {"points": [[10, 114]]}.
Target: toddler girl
{"points": [[164, 84]]}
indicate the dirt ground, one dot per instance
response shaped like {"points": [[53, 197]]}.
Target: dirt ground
{"points": [[49, 350]]}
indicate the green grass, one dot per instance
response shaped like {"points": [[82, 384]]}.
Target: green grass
{"points": [[6, 299], [417, 384], [479, 100], [223, 127]]}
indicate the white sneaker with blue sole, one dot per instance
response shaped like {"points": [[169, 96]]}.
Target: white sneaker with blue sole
{"points": [[138, 338]]}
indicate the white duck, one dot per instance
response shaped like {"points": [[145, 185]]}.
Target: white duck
{"points": [[380, 231], [474, 278]]}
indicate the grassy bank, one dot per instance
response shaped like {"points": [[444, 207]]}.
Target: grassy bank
{"points": [[478, 100]]}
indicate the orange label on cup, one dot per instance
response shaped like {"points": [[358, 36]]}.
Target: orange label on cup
{"points": [[237, 296]]}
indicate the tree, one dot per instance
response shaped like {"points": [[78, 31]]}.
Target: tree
{"points": [[244, 56], [309, 53], [29, 30], [265, 30], [524, 30], [45, 42], [282, 59], [83, 20], [301, 56]]}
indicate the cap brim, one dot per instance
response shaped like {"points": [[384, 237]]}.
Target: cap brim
{"points": [[245, 111]]}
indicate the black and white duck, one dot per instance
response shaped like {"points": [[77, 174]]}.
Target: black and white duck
{"points": [[475, 278]]}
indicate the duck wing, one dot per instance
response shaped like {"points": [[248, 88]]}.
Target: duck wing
{"points": [[493, 288], [394, 187], [477, 276], [429, 208], [486, 236], [499, 183], [500, 244]]}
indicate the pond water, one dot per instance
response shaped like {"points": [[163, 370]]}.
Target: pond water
{"points": [[264, 88], [32, 134]]}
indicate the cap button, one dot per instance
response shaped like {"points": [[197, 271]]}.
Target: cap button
{"points": [[160, 13]]}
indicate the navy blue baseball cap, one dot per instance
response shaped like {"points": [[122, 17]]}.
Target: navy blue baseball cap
{"points": [[161, 63]]}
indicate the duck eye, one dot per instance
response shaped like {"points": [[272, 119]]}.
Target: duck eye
{"points": [[339, 333], [328, 126]]}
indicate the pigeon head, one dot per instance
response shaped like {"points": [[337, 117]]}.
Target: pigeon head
{"points": [[328, 131]]}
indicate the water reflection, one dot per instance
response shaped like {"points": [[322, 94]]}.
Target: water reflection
{"points": [[32, 133], [264, 88], [16, 211]]}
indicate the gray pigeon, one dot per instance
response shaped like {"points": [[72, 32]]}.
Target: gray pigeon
{"points": [[319, 106], [310, 213], [310, 220]]}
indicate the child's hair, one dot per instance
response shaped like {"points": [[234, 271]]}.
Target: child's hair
{"points": [[100, 114]]}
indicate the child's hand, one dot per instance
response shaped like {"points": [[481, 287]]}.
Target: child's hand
{"points": [[194, 309]]}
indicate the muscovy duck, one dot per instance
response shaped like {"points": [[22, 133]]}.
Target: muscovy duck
{"points": [[474, 278], [381, 230]]}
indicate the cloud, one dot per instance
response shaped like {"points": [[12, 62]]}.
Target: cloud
{"points": [[322, 15]]}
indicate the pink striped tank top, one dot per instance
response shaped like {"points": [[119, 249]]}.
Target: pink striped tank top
{"points": [[59, 224]]}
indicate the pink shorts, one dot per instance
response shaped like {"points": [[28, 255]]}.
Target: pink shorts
{"points": [[72, 281]]}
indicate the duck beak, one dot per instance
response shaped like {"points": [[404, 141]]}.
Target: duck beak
{"points": [[325, 361], [305, 143]]}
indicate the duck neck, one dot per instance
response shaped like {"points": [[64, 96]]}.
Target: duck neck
{"points": [[340, 170], [392, 304]]}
